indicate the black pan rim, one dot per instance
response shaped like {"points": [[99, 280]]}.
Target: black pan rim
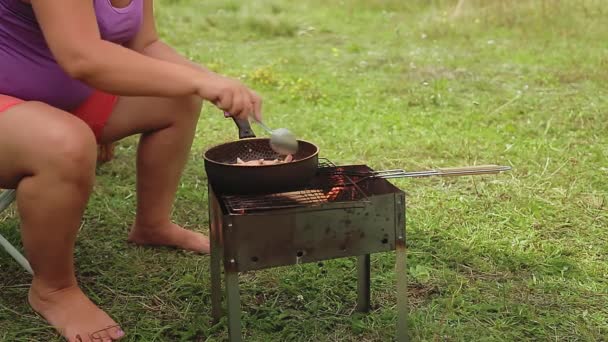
{"points": [[257, 166]]}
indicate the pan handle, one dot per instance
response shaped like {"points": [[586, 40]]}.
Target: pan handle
{"points": [[243, 125]]}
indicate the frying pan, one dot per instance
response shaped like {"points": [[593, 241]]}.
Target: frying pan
{"points": [[228, 178]]}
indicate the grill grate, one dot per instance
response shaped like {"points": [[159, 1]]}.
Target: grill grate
{"points": [[324, 189], [325, 163]]}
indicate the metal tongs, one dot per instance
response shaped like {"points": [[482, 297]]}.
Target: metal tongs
{"points": [[400, 173]]}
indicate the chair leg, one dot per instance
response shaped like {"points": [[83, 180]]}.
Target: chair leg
{"points": [[6, 198], [21, 260]]}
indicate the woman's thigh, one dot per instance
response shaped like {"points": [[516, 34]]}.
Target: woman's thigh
{"points": [[134, 115], [35, 136]]}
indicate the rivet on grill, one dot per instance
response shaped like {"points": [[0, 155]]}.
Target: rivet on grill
{"points": [[232, 261]]}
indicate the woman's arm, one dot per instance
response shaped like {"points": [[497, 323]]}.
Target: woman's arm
{"points": [[70, 29], [162, 51], [148, 43]]}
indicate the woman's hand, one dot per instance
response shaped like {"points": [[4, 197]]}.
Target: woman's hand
{"points": [[230, 95]]}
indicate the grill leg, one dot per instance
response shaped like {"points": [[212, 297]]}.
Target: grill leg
{"points": [[363, 283], [234, 306], [215, 224], [216, 286], [401, 274]]}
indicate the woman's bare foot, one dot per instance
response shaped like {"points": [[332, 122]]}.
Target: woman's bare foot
{"points": [[170, 235], [74, 315]]}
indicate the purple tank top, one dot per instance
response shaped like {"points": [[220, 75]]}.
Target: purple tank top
{"points": [[29, 71]]}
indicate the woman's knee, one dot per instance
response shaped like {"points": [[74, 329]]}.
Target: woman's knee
{"points": [[74, 155], [70, 152], [187, 109]]}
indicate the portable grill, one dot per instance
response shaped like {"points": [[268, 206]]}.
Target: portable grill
{"points": [[337, 214]]}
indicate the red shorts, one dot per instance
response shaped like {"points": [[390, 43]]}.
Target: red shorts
{"points": [[95, 111]]}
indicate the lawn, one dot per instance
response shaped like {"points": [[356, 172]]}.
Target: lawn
{"points": [[521, 256]]}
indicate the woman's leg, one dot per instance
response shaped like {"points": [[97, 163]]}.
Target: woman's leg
{"points": [[167, 126], [49, 156]]}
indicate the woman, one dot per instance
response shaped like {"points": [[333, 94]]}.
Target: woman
{"points": [[74, 74]]}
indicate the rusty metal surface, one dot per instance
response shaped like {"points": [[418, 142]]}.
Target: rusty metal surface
{"points": [[314, 233], [262, 241]]}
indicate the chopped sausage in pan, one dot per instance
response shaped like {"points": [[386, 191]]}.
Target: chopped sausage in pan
{"points": [[255, 162]]}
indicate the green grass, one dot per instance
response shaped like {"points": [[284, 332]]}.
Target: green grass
{"points": [[521, 256]]}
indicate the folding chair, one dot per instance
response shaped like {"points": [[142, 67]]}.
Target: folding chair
{"points": [[6, 198]]}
